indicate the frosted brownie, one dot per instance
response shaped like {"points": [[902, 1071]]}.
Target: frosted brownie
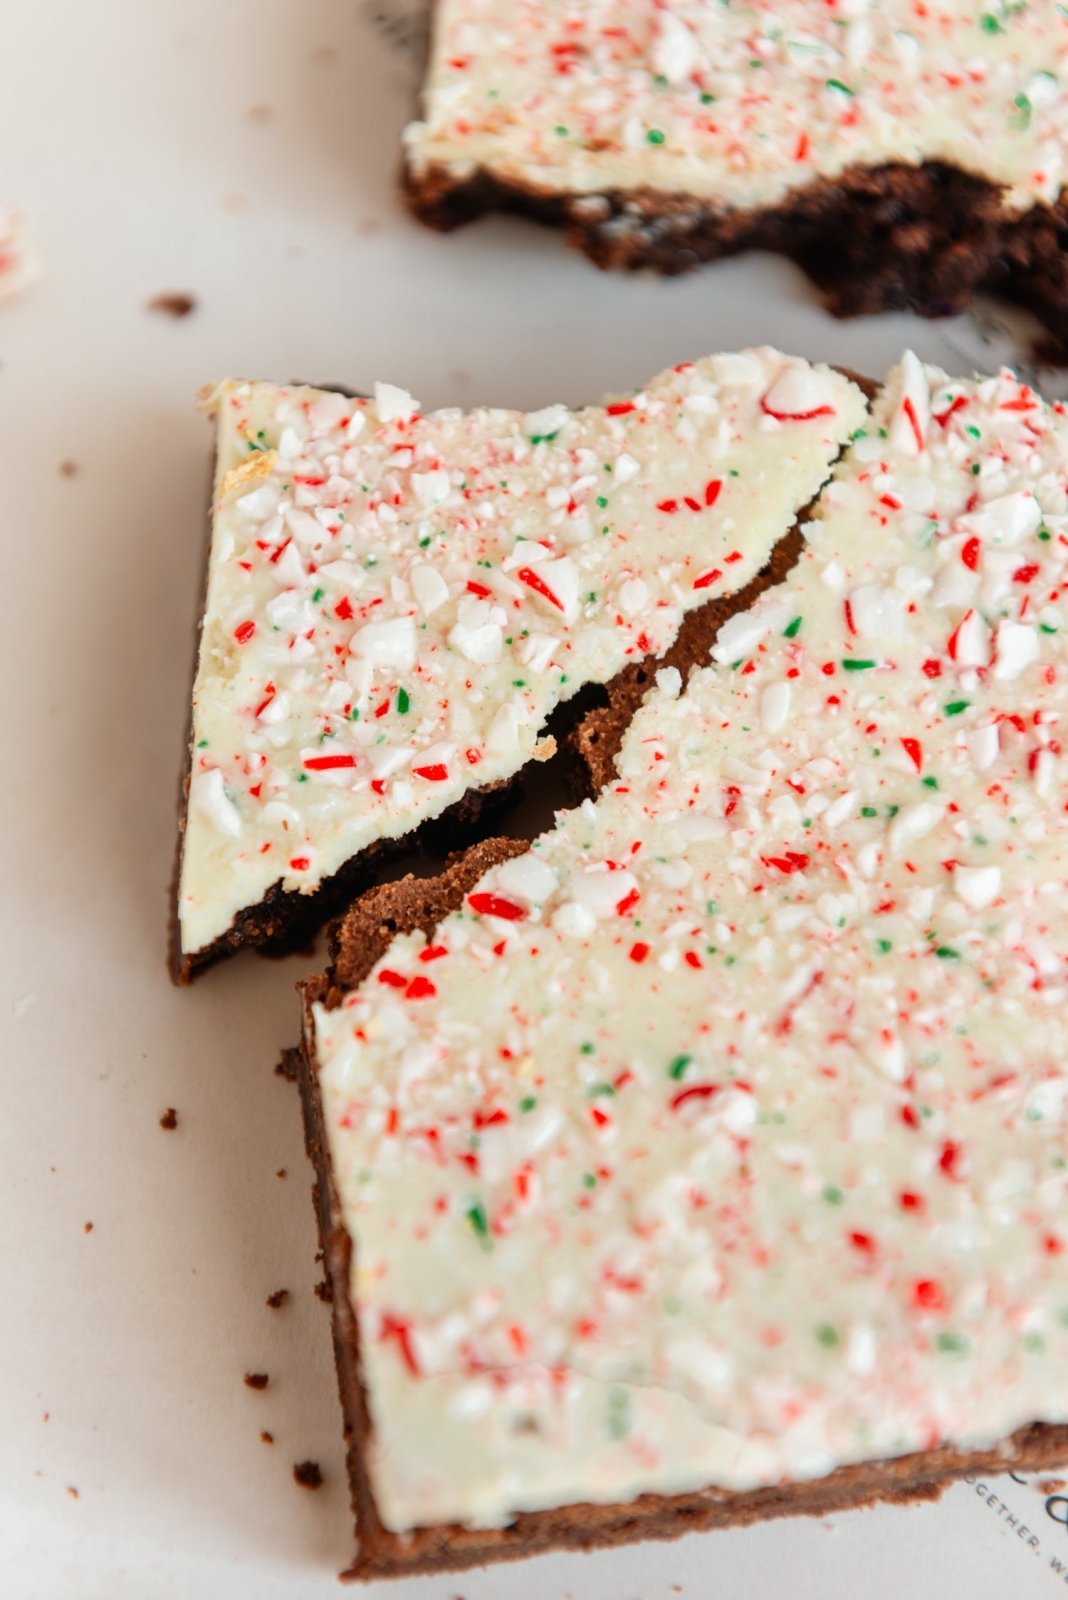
{"points": [[396, 602], [710, 1160], [905, 155]]}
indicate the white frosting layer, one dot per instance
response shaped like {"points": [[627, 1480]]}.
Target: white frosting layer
{"points": [[396, 602], [723, 1139], [741, 103]]}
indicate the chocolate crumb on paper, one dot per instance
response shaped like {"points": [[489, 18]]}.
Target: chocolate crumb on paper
{"points": [[286, 1066], [308, 1474], [169, 1119], [68, 468], [257, 1380], [278, 1298], [175, 303]]}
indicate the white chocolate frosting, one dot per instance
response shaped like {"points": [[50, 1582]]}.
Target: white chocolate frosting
{"points": [[739, 104], [395, 602], [722, 1139]]}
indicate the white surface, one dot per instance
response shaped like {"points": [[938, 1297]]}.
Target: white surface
{"points": [[126, 137]]}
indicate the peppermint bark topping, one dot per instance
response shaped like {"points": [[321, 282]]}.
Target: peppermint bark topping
{"points": [[742, 103]]}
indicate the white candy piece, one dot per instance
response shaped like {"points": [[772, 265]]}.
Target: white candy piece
{"points": [[977, 886], [207, 796], [797, 394], [387, 644], [1015, 648], [547, 422], [527, 878], [393, 404]]}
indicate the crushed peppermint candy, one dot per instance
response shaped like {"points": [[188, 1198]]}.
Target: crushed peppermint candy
{"points": [[397, 601], [743, 103], [732, 1145]]}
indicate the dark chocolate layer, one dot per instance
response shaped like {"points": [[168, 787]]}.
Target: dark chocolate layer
{"points": [[891, 238]]}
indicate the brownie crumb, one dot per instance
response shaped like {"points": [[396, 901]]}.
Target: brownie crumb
{"points": [[257, 1380], [325, 1291], [308, 1474], [169, 1119], [267, 1438], [69, 469], [172, 303], [286, 1065], [87, 1227], [278, 1298], [281, 1172]]}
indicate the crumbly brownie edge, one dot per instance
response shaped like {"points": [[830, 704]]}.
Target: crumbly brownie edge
{"points": [[889, 238], [286, 921], [358, 942]]}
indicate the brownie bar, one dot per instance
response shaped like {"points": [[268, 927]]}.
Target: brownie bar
{"points": [[861, 148], [357, 943], [836, 635]]}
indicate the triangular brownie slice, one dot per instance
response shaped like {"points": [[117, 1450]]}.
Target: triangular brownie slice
{"points": [[396, 602], [708, 1160]]}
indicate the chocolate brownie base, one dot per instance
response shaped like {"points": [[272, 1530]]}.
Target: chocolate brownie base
{"points": [[358, 942], [891, 238]]}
